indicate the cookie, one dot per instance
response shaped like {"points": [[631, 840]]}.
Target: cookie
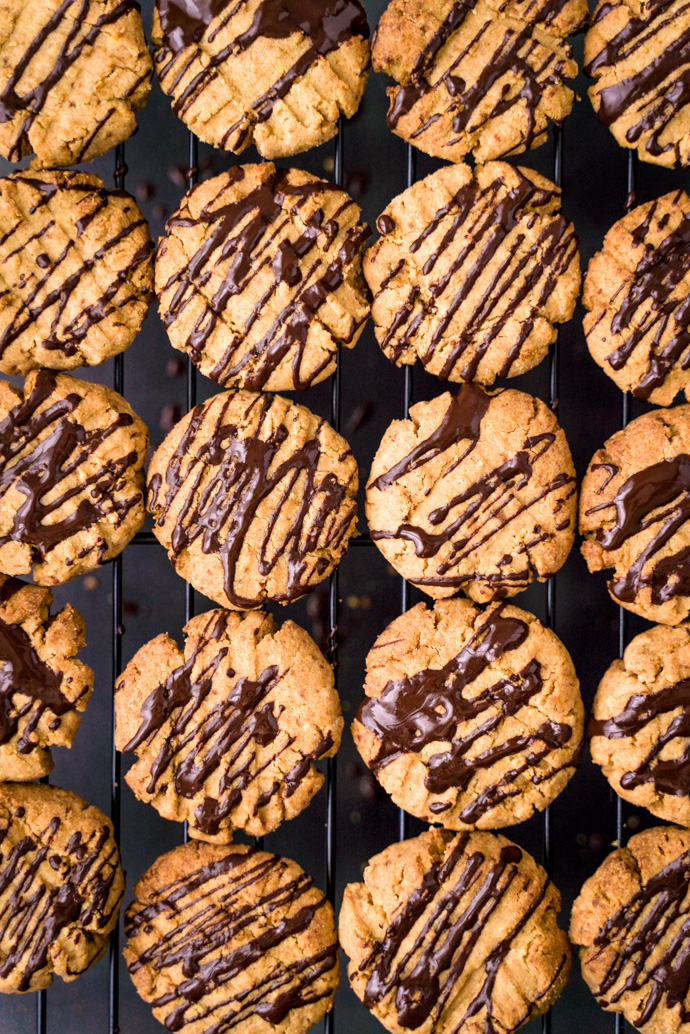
{"points": [[631, 922], [474, 491], [275, 73], [72, 75], [259, 277], [472, 271], [61, 884], [637, 290], [454, 933], [227, 731], [43, 688], [637, 52], [76, 271], [635, 515], [71, 478], [254, 498], [481, 77], [473, 718], [231, 938]]}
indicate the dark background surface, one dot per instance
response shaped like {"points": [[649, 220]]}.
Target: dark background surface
{"points": [[583, 817]]}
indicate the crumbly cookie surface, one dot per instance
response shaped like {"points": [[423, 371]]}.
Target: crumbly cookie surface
{"points": [[476, 75], [473, 718], [637, 50], [454, 933], [71, 478], [631, 923], [72, 75], [76, 271], [234, 938], [472, 272], [254, 498], [637, 290], [61, 884], [635, 515], [259, 277], [226, 733], [474, 491], [275, 73], [43, 687]]}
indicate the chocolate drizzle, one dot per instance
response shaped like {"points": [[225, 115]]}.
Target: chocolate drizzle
{"points": [[275, 238], [217, 921]]}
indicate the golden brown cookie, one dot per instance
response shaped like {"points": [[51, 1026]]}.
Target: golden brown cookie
{"points": [[254, 498], [231, 938], [61, 884], [226, 733], [472, 271], [71, 478], [276, 73], [631, 922], [637, 290], [482, 77], [76, 271], [454, 934], [637, 50], [635, 515], [473, 718], [43, 688], [259, 277], [474, 491], [72, 75]]}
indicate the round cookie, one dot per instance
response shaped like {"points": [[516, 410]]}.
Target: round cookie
{"points": [[472, 271], [71, 478], [637, 290], [254, 498], [640, 723], [635, 515], [43, 688], [275, 73], [259, 277], [483, 77], [76, 271], [227, 731], [631, 922], [474, 491], [637, 52], [454, 933], [72, 75], [234, 938], [473, 718], [61, 884]]}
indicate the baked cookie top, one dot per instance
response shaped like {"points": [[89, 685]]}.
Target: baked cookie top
{"points": [[72, 75], [477, 76], [61, 884], [226, 733], [76, 271], [454, 933], [71, 478], [259, 277], [234, 938], [474, 491], [254, 498], [635, 515], [43, 688], [275, 73], [637, 290], [637, 50], [472, 271], [473, 718], [631, 921]]}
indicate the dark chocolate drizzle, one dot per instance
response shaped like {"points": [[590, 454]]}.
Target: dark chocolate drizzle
{"points": [[223, 918]]}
